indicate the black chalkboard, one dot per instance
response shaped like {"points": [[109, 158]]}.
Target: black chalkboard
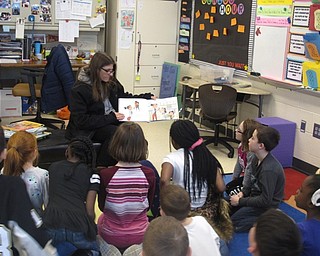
{"points": [[221, 32]]}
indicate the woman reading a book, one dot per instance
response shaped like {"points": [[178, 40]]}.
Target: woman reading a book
{"points": [[94, 104]]}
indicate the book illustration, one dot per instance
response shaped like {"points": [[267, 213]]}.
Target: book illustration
{"points": [[28, 126], [136, 109]]}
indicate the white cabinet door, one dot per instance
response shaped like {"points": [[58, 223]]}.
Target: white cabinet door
{"points": [[157, 21], [156, 54]]}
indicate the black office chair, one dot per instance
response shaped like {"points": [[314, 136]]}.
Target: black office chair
{"points": [[54, 91], [217, 102], [32, 90]]}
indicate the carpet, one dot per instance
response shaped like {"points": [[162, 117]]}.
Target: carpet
{"points": [[239, 243], [294, 180]]}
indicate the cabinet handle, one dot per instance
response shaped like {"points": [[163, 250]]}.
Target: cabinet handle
{"points": [[156, 55], [154, 76]]}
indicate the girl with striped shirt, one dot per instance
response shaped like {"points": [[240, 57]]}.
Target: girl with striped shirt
{"points": [[126, 189]]}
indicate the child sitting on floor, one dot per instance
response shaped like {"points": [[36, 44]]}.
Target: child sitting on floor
{"points": [[175, 202], [267, 181], [126, 191], [274, 234], [308, 199], [21, 160], [69, 217]]}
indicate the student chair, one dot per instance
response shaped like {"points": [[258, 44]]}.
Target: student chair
{"points": [[54, 91], [217, 102], [32, 90]]}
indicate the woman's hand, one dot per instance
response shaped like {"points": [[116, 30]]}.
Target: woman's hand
{"points": [[119, 116]]}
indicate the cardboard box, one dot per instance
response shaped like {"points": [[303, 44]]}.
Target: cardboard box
{"points": [[10, 106]]}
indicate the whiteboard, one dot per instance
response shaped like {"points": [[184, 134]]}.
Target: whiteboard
{"points": [[270, 50]]}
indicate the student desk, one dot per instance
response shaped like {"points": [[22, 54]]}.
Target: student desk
{"points": [[244, 90]]}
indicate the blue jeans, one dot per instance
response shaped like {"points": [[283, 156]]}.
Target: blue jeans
{"points": [[245, 217], [67, 242]]}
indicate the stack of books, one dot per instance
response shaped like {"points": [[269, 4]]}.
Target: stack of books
{"points": [[37, 129]]}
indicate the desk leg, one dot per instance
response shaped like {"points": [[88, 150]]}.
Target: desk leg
{"points": [[183, 101], [194, 104], [260, 105]]}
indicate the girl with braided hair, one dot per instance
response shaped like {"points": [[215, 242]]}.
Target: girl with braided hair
{"points": [[21, 160], [69, 217], [193, 167]]}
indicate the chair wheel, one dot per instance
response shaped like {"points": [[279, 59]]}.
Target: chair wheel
{"points": [[230, 154]]}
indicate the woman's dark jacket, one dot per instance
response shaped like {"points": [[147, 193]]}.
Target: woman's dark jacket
{"points": [[88, 115]]}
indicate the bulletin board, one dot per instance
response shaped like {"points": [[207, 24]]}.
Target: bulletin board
{"points": [[221, 32]]}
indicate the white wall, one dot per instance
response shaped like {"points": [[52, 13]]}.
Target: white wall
{"points": [[288, 104]]}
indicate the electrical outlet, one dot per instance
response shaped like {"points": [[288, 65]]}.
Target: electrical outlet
{"points": [[316, 131], [303, 126]]}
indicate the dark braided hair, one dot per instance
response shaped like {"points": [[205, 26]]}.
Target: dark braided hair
{"points": [[204, 165], [82, 148]]}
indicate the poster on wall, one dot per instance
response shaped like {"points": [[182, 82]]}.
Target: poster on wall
{"points": [[296, 44], [300, 17], [221, 32], [294, 70]]}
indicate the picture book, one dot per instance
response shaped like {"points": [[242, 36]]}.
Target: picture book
{"points": [[24, 125], [136, 109]]}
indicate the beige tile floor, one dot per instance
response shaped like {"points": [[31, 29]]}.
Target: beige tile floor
{"points": [[157, 134]]}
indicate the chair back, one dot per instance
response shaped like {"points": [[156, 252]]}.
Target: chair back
{"points": [[216, 100]]}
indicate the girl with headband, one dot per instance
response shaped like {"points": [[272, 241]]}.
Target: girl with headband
{"points": [[308, 199], [194, 168]]}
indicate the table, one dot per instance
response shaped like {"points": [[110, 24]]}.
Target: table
{"points": [[38, 64], [243, 89]]}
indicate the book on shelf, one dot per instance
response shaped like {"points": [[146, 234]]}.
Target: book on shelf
{"points": [[138, 109], [37, 129]]}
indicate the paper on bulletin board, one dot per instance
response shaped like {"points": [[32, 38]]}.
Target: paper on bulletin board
{"points": [[275, 2], [294, 70], [82, 7], [63, 11], [270, 40], [274, 10], [68, 30]]}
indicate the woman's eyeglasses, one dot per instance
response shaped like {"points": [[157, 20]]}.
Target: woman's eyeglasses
{"points": [[239, 131], [109, 71]]}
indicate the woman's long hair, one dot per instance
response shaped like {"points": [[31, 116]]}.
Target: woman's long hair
{"points": [[204, 165]]}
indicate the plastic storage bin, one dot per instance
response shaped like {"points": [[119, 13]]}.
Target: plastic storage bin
{"points": [[216, 74]]}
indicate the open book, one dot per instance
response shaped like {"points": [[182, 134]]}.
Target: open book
{"points": [[137, 109]]}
